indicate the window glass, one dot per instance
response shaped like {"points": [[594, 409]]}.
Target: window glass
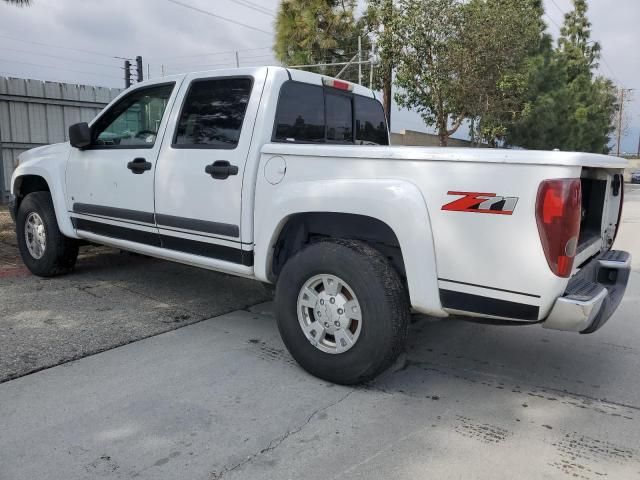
{"points": [[213, 113], [339, 118], [300, 115], [371, 127], [133, 121]]}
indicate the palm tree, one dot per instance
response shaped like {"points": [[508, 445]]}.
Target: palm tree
{"points": [[19, 3]]}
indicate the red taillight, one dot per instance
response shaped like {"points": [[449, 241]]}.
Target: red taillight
{"points": [[339, 84], [558, 213]]}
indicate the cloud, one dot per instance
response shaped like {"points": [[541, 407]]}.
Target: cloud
{"points": [[169, 35]]}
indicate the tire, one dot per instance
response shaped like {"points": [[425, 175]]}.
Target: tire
{"points": [[383, 306], [60, 253]]}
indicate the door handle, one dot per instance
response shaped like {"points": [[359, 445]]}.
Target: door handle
{"points": [[221, 169], [139, 166]]}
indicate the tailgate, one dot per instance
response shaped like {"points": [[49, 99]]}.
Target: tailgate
{"points": [[602, 197]]}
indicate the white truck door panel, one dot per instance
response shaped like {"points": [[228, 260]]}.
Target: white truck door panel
{"points": [[201, 165], [110, 184]]}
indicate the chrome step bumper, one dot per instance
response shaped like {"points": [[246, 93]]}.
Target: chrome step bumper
{"points": [[592, 295]]}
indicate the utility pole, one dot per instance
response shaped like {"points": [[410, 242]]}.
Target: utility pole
{"points": [[360, 60], [237, 60], [127, 74], [622, 90], [638, 146], [139, 69]]}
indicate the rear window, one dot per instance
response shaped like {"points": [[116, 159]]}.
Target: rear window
{"points": [[339, 112], [300, 116], [314, 114], [371, 126], [213, 113]]}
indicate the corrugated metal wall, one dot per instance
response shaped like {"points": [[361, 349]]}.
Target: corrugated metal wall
{"points": [[34, 113]]}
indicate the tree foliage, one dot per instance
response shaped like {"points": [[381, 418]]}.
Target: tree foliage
{"points": [[464, 60], [310, 32], [568, 107]]}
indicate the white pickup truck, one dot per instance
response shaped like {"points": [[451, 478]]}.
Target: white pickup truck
{"points": [[287, 177]]}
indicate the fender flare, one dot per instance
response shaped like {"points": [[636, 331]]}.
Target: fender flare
{"points": [[399, 204], [57, 190]]}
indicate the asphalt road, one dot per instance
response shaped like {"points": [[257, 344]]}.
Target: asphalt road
{"points": [[223, 399], [111, 299]]}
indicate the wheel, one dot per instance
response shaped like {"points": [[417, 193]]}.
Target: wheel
{"points": [[342, 311], [44, 250]]}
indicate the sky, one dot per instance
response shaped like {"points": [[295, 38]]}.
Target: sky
{"points": [[78, 41]]}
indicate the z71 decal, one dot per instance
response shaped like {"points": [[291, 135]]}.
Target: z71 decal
{"points": [[481, 203]]}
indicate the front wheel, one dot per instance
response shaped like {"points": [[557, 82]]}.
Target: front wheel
{"points": [[44, 249], [342, 310]]}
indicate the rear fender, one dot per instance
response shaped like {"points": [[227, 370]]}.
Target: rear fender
{"points": [[399, 204]]}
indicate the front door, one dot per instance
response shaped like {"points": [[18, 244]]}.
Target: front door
{"points": [[201, 167], [110, 183]]}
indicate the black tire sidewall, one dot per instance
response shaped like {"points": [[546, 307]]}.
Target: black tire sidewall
{"points": [[383, 324], [49, 264]]}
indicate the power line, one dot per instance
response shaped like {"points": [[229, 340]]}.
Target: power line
{"points": [[559, 9], [205, 12], [253, 6], [229, 52], [59, 58], [64, 48], [552, 20], [55, 67]]}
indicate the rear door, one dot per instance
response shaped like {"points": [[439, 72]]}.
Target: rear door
{"points": [[198, 202]]}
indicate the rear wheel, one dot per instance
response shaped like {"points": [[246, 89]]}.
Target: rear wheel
{"points": [[342, 310], [44, 249]]}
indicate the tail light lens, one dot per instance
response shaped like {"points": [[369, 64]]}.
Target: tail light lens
{"points": [[558, 213]]}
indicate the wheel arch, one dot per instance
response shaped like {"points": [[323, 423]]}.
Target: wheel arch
{"points": [[300, 229], [28, 182]]}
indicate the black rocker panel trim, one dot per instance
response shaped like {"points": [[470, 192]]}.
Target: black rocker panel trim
{"points": [[219, 252], [215, 228], [125, 214], [467, 302], [115, 231], [211, 250]]}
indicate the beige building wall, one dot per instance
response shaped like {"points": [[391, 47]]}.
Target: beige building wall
{"points": [[420, 139]]}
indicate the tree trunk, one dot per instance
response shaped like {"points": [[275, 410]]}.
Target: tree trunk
{"points": [[386, 95]]}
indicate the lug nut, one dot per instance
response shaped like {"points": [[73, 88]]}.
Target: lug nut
{"points": [[321, 302], [326, 324], [340, 311], [332, 300], [336, 323]]}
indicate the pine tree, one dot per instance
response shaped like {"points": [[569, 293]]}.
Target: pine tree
{"points": [[310, 32], [569, 107]]}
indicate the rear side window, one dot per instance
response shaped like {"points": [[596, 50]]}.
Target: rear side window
{"points": [[300, 116], [213, 113], [311, 113], [339, 118], [371, 127]]}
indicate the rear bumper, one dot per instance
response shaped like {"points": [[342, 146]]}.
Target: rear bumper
{"points": [[592, 295]]}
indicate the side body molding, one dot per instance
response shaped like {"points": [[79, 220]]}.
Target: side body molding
{"points": [[399, 204]]}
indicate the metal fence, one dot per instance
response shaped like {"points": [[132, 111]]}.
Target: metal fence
{"points": [[35, 113]]}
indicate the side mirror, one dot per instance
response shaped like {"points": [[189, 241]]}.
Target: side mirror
{"points": [[80, 135]]}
